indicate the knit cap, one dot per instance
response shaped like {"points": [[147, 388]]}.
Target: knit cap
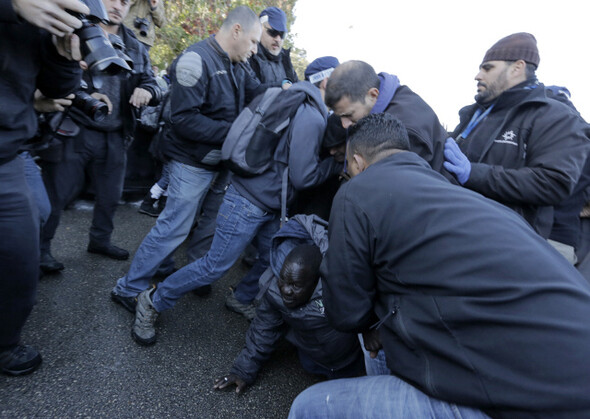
{"points": [[518, 46]]}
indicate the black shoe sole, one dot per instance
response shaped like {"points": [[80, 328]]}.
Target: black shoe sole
{"points": [[143, 342], [51, 269], [15, 373], [151, 214], [109, 255]]}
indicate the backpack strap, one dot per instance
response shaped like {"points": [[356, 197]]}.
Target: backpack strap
{"points": [[284, 186]]}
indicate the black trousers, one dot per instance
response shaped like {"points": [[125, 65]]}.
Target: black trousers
{"points": [[102, 156], [19, 251]]}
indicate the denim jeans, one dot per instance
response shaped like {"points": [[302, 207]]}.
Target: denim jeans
{"points": [[202, 235], [238, 222], [374, 366], [19, 251], [187, 186], [381, 396]]}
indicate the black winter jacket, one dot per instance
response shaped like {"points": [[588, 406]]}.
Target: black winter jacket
{"points": [[475, 307], [206, 94], [528, 153], [427, 135], [273, 69], [29, 61], [306, 327]]}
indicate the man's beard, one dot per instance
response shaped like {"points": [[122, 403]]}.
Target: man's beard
{"points": [[493, 90]]}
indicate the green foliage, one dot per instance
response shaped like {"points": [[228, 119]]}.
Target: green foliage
{"points": [[190, 21]]}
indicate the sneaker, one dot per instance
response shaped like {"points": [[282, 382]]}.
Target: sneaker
{"points": [[109, 250], [149, 207], [128, 302], [143, 330], [19, 360], [246, 310], [48, 264]]}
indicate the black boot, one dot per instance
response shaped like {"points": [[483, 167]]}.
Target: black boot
{"points": [[148, 206]]}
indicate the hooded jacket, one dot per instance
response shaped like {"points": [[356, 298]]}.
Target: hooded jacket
{"points": [[306, 327], [425, 132], [299, 149], [142, 9], [528, 152], [474, 307]]}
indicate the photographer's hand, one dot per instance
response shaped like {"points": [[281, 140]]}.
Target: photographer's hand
{"points": [[44, 104], [103, 98], [51, 15], [372, 342], [228, 380], [68, 46], [154, 4], [140, 97]]}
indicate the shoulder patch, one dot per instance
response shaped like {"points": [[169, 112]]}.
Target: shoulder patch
{"points": [[189, 69]]}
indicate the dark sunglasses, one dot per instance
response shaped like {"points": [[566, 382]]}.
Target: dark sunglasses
{"points": [[273, 33]]}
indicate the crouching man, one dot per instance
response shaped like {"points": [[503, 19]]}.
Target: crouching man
{"points": [[291, 305], [478, 315]]}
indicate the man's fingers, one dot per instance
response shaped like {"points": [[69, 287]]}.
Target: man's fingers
{"points": [[74, 6]]}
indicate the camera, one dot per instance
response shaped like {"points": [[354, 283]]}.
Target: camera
{"points": [[142, 24], [96, 49], [94, 108]]}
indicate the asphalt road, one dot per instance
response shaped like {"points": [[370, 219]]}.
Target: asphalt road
{"points": [[93, 369]]}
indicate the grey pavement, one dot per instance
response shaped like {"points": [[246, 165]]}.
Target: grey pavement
{"points": [[93, 369]]}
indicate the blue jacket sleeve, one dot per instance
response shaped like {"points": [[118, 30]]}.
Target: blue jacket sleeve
{"points": [[306, 169], [264, 332]]}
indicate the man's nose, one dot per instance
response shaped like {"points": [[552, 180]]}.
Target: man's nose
{"points": [[346, 122]]}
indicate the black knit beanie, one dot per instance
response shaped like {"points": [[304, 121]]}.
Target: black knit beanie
{"points": [[518, 46]]}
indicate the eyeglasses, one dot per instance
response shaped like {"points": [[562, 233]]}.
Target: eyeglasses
{"points": [[274, 33]]}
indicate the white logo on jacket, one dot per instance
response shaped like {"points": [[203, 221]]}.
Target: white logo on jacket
{"points": [[509, 137]]}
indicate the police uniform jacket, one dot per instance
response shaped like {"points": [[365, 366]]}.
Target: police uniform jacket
{"points": [[29, 61], [307, 326], [528, 153], [206, 94], [474, 307]]}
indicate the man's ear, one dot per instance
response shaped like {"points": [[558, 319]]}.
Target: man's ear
{"points": [[360, 162], [372, 96], [519, 68], [235, 30]]}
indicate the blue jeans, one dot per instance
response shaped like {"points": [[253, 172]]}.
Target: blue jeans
{"points": [[187, 186], [238, 222], [19, 251], [381, 396], [374, 366]]}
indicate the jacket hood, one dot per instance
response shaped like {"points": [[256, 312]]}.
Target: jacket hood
{"points": [[301, 229], [314, 94]]}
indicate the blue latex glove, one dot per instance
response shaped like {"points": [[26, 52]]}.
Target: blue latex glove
{"points": [[456, 162]]}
